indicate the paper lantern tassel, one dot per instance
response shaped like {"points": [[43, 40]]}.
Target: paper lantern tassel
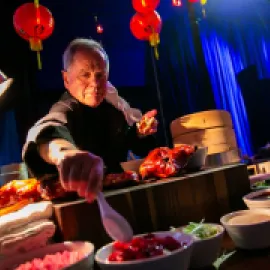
{"points": [[154, 40], [36, 45]]}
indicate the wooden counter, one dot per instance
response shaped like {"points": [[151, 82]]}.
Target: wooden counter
{"points": [[206, 194]]}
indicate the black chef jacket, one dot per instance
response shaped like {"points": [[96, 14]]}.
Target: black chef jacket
{"points": [[102, 131]]}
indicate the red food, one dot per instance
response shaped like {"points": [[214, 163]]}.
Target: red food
{"points": [[114, 179], [164, 162], [22, 192], [52, 189], [55, 261], [147, 246], [19, 190]]}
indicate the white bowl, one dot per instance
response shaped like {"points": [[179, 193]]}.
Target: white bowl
{"points": [[198, 159], [258, 177], [258, 199], [200, 258], [83, 247], [178, 259], [132, 165], [249, 234]]}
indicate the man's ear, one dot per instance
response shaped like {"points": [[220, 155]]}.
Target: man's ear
{"points": [[65, 78]]}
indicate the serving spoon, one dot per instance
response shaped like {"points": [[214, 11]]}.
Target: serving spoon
{"points": [[114, 224]]}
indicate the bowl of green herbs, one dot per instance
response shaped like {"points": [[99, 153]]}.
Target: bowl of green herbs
{"points": [[207, 242], [264, 184]]}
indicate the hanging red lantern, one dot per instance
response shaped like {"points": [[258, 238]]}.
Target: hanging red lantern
{"points": [[99, 29], [145, 6], [34, 23], [147, 27], [143, 25], [193, 1], [177, 3]]}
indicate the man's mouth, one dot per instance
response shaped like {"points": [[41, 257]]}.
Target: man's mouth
{"points": [[91, 95]]}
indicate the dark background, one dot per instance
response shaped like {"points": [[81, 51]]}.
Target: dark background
{"points": [[131, 66]]}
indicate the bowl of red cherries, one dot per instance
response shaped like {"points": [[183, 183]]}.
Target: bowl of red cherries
{"points": [[159, 251]]}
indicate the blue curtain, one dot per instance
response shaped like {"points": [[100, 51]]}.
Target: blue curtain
{"points": [[233, 37], [179, 73], [229, 46], [178, 64], [223, 64], [10, 150]]}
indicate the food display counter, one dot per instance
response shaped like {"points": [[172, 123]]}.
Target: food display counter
{"points": [[207, 194]]}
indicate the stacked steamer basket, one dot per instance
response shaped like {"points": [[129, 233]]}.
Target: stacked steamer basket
{"points": [[212, 129]]}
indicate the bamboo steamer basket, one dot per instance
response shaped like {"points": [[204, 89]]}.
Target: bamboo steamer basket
{"points": [[212, 129], [222, 136], [200, 121], [223, 158]]}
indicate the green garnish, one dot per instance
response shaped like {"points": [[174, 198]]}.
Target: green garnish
{"points": [[223, 258], [200, 230], [264, 183]]}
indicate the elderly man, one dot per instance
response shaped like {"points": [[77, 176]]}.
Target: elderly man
{"points": [[84, 132]]}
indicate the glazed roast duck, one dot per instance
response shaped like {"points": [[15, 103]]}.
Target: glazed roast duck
{"points": [[17, 194], [161, 162], [164, 162]]}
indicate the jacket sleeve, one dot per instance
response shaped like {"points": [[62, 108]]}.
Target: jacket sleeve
{"points": [[140, 145], [54, 125]]}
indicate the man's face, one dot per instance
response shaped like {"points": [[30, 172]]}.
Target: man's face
{"points": [[86, 77]]}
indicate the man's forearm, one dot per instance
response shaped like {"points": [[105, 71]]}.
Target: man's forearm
{"points": [[53, 151]]}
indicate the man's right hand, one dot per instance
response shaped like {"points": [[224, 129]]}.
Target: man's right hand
{"points": [[79, 171], [82, 172]]}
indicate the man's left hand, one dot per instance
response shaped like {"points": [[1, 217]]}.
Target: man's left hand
{"points": [[148, 124]]}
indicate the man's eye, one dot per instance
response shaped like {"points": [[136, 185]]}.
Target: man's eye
{"points": [[85, 75], [100, 75]]}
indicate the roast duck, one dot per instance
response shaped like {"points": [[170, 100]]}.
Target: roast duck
{"points": [[161, 162], [164, 162], [17, 194]]}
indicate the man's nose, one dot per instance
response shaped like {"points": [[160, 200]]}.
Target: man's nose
{"points": [[92, 81]]}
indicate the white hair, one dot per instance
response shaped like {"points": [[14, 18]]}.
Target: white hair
{"points": [[79, 44]]}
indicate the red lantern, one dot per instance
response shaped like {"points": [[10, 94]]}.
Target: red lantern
{"points": [[147, 27], [99, 29], [145, 6], [193, 1], [34, 23], [176, 3], [143, 25]]}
